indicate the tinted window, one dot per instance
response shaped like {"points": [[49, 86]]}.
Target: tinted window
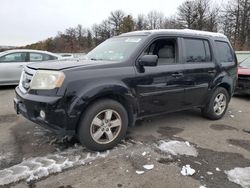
{"points": [[224, 51], [36, 57], [14, 57], [197, 50]]}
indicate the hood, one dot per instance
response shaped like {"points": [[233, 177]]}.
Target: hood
{"points": [[243, 70], [66, 64]]}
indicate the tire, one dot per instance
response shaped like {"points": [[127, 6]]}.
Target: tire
{"points": [[213, 112], [103, 125]]}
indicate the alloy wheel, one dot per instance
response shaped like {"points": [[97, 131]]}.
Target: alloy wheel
{"points": [[106, 126], [220, 103]]}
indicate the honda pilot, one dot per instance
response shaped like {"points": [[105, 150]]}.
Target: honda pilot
{"points": [[126, 78]]}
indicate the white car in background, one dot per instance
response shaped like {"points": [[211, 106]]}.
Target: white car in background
{"points": [[12, 62]]}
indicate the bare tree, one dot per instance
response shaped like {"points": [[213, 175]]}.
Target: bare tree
{"points": [[212, 19], [237, 23], [141, 22], [187, 14], [202, 7], [155, 19], [172, 23], [115, 20]]}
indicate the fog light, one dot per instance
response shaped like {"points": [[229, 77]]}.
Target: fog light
{"points": [[42, 114]]}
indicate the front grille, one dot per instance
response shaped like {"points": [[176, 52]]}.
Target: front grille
{"points": [[26, 78], [244, 77]]}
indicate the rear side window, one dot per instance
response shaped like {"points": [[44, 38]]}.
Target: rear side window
{"points": [[36, 57], [224, 51], [197, 50], [47, 57], [41, 57]]}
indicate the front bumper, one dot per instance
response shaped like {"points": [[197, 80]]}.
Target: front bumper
{"points": [[56, 118]]}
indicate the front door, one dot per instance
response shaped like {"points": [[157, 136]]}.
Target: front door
{"points": [[159, 89], [11, 66]]}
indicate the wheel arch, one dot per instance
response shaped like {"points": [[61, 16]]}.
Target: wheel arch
{"points": [[116, 93], [226, 86]]}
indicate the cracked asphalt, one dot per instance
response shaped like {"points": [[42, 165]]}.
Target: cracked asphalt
{"points": [[220, 145]]}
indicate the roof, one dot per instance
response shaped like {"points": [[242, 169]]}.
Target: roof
{"points": [[176, 31]]}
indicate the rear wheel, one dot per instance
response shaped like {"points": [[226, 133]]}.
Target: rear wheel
{"points": [[217, 106], [103, 125]]}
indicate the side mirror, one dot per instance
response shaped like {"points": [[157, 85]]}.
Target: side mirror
{"points": [[148, 60]]}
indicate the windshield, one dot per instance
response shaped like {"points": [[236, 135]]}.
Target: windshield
{"points": [[115, 49], [246, 62]]}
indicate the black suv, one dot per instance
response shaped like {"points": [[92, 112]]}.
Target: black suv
{"points": [[129, 77]]}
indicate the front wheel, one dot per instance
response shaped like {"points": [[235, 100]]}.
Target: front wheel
{"points": [[103, 125], [217, 106]]}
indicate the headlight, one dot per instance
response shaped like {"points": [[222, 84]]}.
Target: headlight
{"points": [[44, 79]]}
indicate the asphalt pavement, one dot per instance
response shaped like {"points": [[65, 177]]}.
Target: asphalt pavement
{"points": [[31, 156]]}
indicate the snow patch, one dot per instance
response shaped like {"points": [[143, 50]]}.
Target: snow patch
{"points": [[210, 173], [187, 170], [202, 186], [139, 172], [177, 148], [217, 169], [38, 167], [148, 167], [240, 176], [144, 153], [188, 144]]}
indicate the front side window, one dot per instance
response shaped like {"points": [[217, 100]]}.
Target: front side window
{"points": [[165, 49], [224, 51], [115, 49], [14, 57], [197, 50]]}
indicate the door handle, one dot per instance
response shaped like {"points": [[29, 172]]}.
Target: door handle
{"points": [[177, 74]]}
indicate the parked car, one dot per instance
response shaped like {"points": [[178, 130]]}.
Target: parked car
{"points": [[12, 62], [126, 78], [243, 85]]}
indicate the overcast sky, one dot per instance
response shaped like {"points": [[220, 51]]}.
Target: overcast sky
{"points": [[27, 21]]}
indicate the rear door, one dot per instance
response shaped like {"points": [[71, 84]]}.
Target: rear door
{"points": [[227, 61], [199, 70], [11, 66]]}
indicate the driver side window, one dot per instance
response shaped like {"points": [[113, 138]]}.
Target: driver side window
{"points": [[165, 49]]}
